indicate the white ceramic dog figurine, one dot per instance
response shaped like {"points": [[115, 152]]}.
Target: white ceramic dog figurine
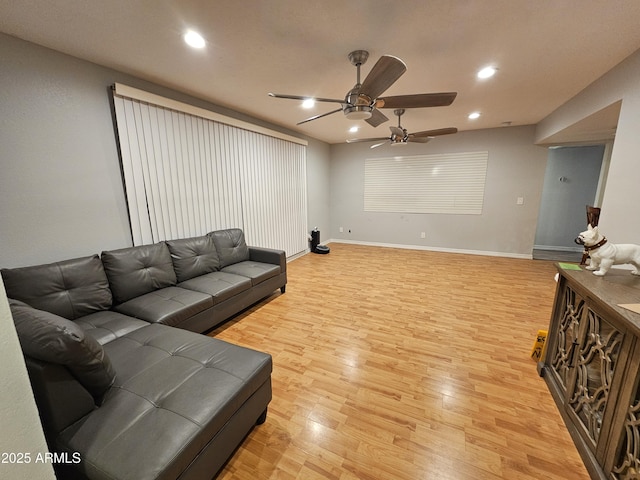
{"points": [[604, 254]]}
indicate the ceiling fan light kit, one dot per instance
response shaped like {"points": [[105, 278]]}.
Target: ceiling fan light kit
{"points": [[358, 112], [363, 101]]}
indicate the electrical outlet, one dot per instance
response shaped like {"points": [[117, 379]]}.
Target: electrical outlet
{"points": [[520, 201], [341, 229], [423, 234]]}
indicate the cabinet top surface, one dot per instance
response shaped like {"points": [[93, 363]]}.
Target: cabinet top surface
{"points": [[616, 287]]}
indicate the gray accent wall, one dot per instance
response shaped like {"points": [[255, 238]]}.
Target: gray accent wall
{"points": [[21, 429], [515, 169], [61, 193], [619, 215], [570, 184], [318, 190]]}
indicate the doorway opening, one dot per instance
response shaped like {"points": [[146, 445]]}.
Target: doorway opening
{"points": [[574, 178]]}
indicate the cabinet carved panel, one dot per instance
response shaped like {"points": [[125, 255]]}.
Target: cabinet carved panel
{"points": [[567, 336], [627, 466], [594, 367]]}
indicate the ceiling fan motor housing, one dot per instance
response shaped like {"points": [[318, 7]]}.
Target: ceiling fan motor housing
{"points": [[357, 106], [364, 101]]}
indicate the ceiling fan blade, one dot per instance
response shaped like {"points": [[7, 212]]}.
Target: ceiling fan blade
{"points": [[419, 100], [359, 140], [434, 133], [376, 118], [319, 116], [377, 145], [301, 97], [419, 139], [384, 73], [397, 131]]}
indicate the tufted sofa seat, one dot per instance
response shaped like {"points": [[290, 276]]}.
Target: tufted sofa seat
{"points": [[177, 396], [156, 403], [120, 379], [193, 283]]}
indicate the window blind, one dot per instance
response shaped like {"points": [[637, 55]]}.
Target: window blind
{"points": [[444, 183], [186, 175]]}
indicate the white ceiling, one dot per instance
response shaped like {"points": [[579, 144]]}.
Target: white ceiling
{"points": [[546, 52]]}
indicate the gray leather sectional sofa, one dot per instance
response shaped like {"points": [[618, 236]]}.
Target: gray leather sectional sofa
{"points": [[124, 389]]}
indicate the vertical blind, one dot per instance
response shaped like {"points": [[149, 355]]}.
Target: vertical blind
{"points": [[187, 172], [443, 183]]}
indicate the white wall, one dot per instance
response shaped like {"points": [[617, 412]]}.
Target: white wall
{"points": [[21, 429], [515, 169], [619, 215]]}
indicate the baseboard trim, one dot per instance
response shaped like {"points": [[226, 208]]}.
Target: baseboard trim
{"points": [[298, 255], [436, 249], [559, 249]]}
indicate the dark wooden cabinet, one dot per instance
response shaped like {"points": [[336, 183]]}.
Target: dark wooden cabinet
{"points": [[592, 368]]}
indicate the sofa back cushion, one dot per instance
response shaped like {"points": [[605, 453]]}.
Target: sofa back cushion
{"points": [[231, 246], [193, 257], [51, 338], [71, 288], [135, 271]]}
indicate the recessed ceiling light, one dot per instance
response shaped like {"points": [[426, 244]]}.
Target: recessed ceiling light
{"points": [[474, 115], [194, 39], [353, 129], [487, 72], [308, 103]]}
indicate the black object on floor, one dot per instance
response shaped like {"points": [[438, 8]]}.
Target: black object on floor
{"points": [[315, 246], [321, 249]]}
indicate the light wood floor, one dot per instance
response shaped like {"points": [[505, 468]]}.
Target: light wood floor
{"points": [[404, 364]]}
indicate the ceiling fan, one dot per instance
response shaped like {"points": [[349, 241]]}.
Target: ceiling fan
{"points": [[363, 100], [400, 136]]}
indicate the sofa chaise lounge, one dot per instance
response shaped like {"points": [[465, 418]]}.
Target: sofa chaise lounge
{"points": [[123, 388]]}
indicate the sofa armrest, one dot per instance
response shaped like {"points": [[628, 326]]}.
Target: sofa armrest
{"points": [[60, 398], [269, 255]]}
